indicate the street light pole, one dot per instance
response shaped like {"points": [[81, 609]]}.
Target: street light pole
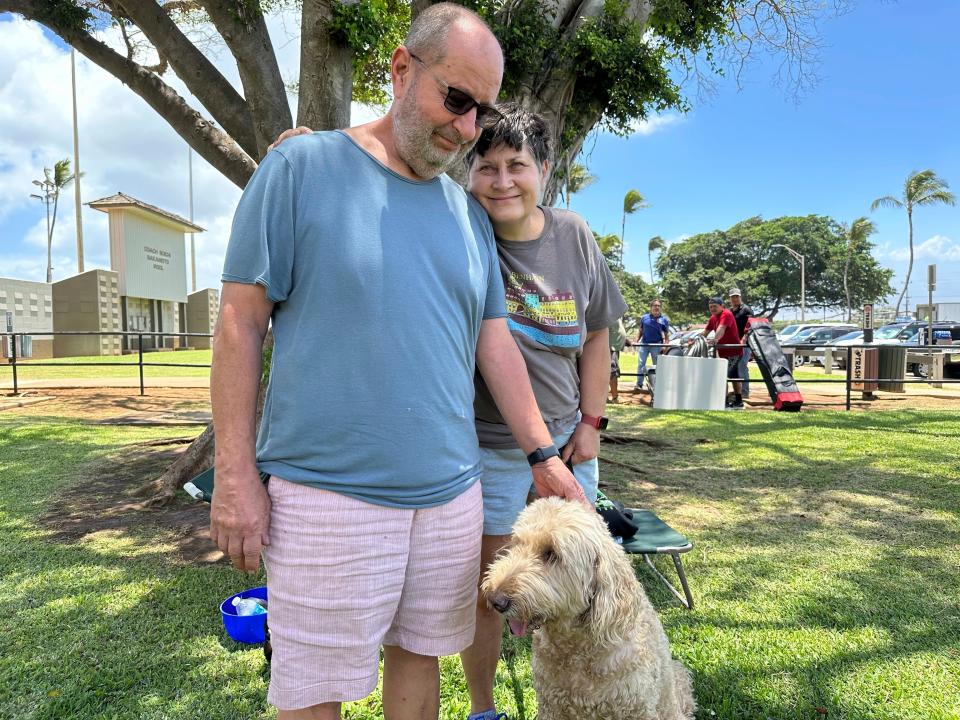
{"points": [[803, 279], [49, 194]]}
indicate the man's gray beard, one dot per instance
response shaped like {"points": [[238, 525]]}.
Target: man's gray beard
{"points": [[415, 146]]}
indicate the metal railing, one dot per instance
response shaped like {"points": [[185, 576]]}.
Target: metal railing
{"points": [[849, 380], [13, 363]]}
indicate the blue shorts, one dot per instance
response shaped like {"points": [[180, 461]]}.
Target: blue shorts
{"points": [[506, 481]]}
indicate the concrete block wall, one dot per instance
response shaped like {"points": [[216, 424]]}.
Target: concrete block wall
{"points": [[31, 306], [88, 301], [203, 306]]}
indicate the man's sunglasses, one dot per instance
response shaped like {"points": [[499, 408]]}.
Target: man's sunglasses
{"points": [[459, 103]]}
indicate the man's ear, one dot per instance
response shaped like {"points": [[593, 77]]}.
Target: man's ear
{"points": [[401, 67]]}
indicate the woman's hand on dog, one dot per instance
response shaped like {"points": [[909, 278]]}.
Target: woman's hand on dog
{"points": [[552, 478]]}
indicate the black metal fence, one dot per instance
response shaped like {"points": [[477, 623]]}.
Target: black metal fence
{"points": [[849, 380], [13, 361]]}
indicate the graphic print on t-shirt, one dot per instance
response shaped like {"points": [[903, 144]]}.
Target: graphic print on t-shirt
{"points": [[550, 318]]}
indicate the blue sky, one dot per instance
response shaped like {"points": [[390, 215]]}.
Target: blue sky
{"points": [[888, 102]]}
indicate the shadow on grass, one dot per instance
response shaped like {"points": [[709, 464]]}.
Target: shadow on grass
{"points": [[106, 625], [859, 540], [808, 571]]}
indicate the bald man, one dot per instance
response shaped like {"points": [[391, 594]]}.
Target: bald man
{"points": [[354, 242]]}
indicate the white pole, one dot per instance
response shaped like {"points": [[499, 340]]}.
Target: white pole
{"points": [[193, 244], [46, 200], [803, 291], [76, 163]]}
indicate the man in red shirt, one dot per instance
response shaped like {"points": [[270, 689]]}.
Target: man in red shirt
{"points": [[722, 321]]}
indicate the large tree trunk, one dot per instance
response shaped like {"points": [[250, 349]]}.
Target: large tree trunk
{"points": [[326, 70], [550, 89], [198, 456]]}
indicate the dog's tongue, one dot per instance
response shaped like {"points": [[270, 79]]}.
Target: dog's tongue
{"points": [[518, 627]]}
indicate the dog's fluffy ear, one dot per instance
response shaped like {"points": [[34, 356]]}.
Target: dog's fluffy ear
{"points": [[615, 595]]}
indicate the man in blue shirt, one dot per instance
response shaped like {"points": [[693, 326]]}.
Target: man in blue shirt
{"points": [[370, 525], [654, 331]]}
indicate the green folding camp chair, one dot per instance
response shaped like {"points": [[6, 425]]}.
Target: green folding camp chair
{"points": [[201, 486], [655, 537]]}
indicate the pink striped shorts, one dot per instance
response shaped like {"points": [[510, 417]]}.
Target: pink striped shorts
{"points": [[346, 577]]}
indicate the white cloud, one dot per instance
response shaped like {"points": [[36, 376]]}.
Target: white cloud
{"points": [[655, 123], [124, 146], [939, 247]]}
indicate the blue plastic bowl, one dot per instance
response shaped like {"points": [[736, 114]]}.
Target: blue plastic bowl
{"points": [[244, 628]]}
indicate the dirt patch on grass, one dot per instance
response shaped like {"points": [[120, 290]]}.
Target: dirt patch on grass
{"points": [[107, 403], [112, 495]]}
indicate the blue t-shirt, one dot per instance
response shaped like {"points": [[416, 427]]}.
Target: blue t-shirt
{"points": [[380, 285], [654, 328]]}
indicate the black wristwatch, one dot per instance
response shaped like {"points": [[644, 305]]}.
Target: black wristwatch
{"points": [[541, 454]]}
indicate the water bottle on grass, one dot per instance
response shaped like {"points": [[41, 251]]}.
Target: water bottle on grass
{"points": [[249, 606]]}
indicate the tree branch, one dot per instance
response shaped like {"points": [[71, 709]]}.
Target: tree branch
{"points": [[200, 75], [326, 70], [211, 143], [245, 31]]}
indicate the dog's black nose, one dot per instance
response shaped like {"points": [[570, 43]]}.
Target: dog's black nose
{"points": [[501, 603]]}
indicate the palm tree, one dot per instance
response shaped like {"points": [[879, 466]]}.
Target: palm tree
{"points": [[920, 188], [657, 244], [857, 235], [578, 177], [632, 202], [610, 247], [55, 180]]}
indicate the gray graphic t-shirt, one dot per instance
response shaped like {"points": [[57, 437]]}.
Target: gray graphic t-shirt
{"points": [[558, 288]]}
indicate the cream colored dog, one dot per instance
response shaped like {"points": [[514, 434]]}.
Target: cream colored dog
{"points": [[599, 652]]}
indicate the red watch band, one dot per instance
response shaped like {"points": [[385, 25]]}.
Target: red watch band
{"points": [[596, 422]]}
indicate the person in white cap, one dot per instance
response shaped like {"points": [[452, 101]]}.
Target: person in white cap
{"points": [[742, 314]]}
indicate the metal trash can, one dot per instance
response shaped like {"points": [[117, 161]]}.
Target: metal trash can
{"points": [[892, 368]]}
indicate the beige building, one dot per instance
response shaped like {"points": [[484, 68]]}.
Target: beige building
{"points": [[148, 253], [89, 301], [145, 290], [26, 306], [203, 306]]}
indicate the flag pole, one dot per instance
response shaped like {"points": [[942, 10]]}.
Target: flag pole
{"points": [[76, 163]]}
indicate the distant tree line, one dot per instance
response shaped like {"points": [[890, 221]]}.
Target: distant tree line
{"points": [[840, 272]]}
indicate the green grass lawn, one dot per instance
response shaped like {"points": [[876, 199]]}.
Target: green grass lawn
{"points": [[40, 369], [825, 574]]}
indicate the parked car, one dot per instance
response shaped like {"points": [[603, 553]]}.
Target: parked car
{"points": [[791, 332], [683, 337], [947, 334], [893, 334], [786, 334], [811, 339]]}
